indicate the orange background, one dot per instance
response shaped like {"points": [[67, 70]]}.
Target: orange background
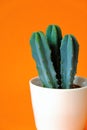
{"points": [[18, 19]]}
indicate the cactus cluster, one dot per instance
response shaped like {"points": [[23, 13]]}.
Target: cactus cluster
{"points": [[56, 57]]}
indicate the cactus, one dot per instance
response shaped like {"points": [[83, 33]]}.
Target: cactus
{"points": [[69, 56], [42, 55], [54, 37], [56, 57]]}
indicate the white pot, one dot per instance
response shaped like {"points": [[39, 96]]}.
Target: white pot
{"points": [[59, 109]]}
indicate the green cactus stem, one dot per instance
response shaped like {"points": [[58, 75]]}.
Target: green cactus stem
{"points": [[54, 37], [69, 58], [42, 55]]}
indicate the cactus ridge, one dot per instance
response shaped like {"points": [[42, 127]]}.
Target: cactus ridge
{"points": [[76, 52], [42, 55], [54, 37], [69, 54]]}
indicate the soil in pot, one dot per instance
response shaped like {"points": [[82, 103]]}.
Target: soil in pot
{"points": [[75, 86]]}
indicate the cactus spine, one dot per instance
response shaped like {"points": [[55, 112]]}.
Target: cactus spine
{"points": [[69, 55], [42, 55], [54, 37]]}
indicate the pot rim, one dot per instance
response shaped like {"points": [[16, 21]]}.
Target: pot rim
{"points": [[54, 89]]}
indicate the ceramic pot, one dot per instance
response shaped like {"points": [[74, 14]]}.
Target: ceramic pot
{"points": [[59, 109]]}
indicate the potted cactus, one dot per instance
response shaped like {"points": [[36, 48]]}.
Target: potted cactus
{"points": [[59, 98]]}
